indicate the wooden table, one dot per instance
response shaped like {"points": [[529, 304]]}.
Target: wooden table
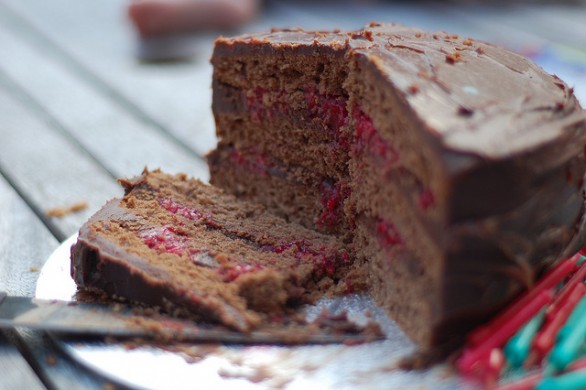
{"points": [[78, 110]]}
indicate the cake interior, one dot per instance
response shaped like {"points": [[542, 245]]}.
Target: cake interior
{"points": [[320, 140]]}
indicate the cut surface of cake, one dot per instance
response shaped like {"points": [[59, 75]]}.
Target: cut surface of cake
{"points": [[189, 248], [452, 169]]}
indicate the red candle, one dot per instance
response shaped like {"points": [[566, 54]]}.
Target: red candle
{"points": [[527, 383], [498, 335], [577, 278], [578, 364], [554, 277], [496, 363], [545, 339]]}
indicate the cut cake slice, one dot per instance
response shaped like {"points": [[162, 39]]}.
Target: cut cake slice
{"points": [[189, 248]]}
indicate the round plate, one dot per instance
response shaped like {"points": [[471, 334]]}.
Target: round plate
{"points": [[366, 366]]}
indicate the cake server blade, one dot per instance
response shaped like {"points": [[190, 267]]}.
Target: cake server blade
{"points": [[79, 319]]}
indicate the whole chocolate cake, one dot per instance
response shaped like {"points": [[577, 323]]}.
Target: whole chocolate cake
{"points": [[451, 168], [189, 248]]}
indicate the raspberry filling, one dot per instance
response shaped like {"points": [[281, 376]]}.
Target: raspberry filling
{"points": [[257, 104], [263, 104], [174, 240], [168, 239], [368, 139], [426, 199], [326, 259], [331, 110], [186, 212], [252, 161], [165, 239], [333, 197], [387, 233]]}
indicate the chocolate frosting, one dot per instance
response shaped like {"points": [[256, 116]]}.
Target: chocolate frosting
{"points": [[473, 97]]}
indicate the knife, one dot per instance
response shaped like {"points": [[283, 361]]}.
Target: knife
{"points": [[80, 319]]}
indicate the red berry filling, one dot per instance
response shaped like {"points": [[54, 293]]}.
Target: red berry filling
{"points": [[387, 233], [426, 199], [171, 239], [168, 239], [333, 197], [263, 104], [188, 212], [326, 259], [250, 160], [165, 239], [331, 109], [368, 139], [255, 104]]}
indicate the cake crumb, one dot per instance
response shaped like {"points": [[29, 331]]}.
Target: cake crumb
{"points": [[34, 269], [261, 374], [412, 89], [51, 360], [467, 42], [465, 111], [480, 50], [109, 386], [453, 58], [60, 212]]}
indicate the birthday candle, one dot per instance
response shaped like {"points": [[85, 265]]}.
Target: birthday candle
{"points": [[527, 383], [578, 364], [575, 380], [569, 344], [576, 279], [545, 338], [517, 348], [578, 313], [497, 338]]}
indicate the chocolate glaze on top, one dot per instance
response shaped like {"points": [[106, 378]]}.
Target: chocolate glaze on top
{"points": [[472, 96], [509, 137]]}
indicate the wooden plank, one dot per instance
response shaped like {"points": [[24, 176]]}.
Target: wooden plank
{"points": [[55, 367], [47, 168], [121, 142], [16, 373], [95, 39], [24, 244]]}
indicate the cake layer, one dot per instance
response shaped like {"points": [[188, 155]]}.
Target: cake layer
{"points": [[299, 119], [294, 193], [187, 247]]}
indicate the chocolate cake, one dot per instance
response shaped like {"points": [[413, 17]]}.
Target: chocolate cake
{"points": [[189, 248], [452, 169]]}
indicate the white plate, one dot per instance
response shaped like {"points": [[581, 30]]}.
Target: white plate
{"points": [[367, 366]]}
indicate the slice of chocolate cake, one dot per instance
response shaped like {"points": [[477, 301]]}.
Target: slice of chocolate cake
{"points": [[189, 248], [453, 169]]}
